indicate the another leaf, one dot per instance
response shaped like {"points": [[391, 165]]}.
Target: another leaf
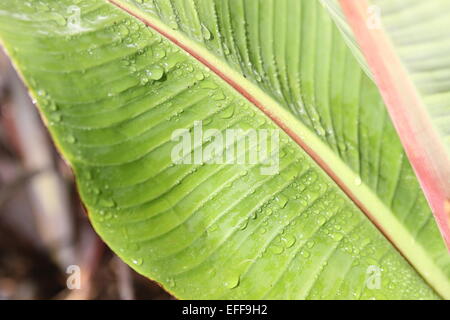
{"points": [[407, 47], [113, 91]]}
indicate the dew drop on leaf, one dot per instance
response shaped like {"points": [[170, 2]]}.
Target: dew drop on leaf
{"points": [[337, 236], [282, 200], [305, 254], [232, 282], [277, 249], [171, 282], [227, 113], [289, 240], [243, 225], [219, 96], [310, 244], [71, 139], [156, 73], [199, 76], [56, 117], [107, 203], [138, 261], [321, 220], [206, 33]]}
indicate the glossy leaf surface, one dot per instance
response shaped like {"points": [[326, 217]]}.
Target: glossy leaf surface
{"points": [[113, 91]]}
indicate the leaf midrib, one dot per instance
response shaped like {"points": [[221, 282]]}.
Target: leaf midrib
{"points": [[379, 214]]}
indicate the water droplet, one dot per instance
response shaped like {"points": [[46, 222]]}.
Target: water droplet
{"points": [[289, 240], [173, 24], [53, 106], [208, 85], [189, 68], [232, 282], [320, 130], [123, 30], [342, 146], [107, 203], [107, 215], [227, 113], [243, 225], [133, 246], [282, 200], [156, 73], [277, 249], [310, 244], [213, 228], [226, 50], [310, 178], [206, 33], [244, 173], [303, 201], [144, 80], [56, 117], [171, 282], [321, 220], [71, 139], [138, 261], [199, 76], [358, 181], [257, 75], [305, 254], [59, 19], [159, 52], [218, 96], [365, 242], [337, 236]]}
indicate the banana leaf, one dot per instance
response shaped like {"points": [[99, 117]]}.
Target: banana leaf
{"points": [[139, 97]]}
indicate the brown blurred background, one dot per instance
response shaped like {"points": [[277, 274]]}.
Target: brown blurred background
{"points": [[44, 230]]}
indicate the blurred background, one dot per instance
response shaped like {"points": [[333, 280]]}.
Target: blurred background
{"points": [[48, 249]]}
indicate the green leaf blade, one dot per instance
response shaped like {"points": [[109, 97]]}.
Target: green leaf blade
{"points": [[211, 231]]}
